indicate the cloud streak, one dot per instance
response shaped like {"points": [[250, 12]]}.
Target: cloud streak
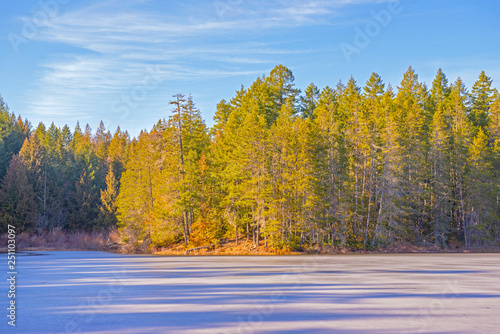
{"points": [[115, 42]]}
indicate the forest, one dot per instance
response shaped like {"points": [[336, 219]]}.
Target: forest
{"points": [[346, 166]]}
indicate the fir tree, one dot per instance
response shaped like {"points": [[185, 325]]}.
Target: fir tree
{"points": [[17, 199], [481, 97]]}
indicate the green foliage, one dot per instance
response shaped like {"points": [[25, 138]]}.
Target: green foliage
{"points": [[17, 199], [481, 99], [66, 175], [348, 166], [107, 210], [206, 233], [13, 132]]}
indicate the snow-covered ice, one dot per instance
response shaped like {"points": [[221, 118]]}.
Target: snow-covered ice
{"points": [[96, 292]]}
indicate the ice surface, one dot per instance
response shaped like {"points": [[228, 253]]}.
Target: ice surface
{"points": [[95, 292]]}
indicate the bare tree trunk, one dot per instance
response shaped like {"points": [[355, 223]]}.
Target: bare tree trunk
{"points": [[462, 219], [236, 232], [356, 203], [257, 235], [178, 103], [369, 204], [151, 189], [333, 234], [253, 225], [378, 219], [45, 195], [185, 230]]}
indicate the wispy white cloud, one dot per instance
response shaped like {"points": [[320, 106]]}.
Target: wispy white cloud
{"points": [[116, 41]]}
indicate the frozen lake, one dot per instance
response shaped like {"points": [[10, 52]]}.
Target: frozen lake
{"points": [[95, 292]]}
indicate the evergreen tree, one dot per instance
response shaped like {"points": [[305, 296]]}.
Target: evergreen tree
{"points": [[17, 199], [439, 91], [481, 99], [309, 100], [413, 146], [482, 210], [461, 138], [347, 166], [12, 135], [107, 209]]}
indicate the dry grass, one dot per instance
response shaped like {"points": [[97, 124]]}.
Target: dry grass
{"points": [[244, 247], [228, 247], [59, 240]]}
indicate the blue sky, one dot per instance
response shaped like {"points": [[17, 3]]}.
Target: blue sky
{"points": [[121, 61]]}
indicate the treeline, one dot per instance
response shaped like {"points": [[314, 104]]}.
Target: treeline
{"points": [[56, 178], [349, 166]]}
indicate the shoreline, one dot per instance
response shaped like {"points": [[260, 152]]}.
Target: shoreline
{"points": [[262, 251]]}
